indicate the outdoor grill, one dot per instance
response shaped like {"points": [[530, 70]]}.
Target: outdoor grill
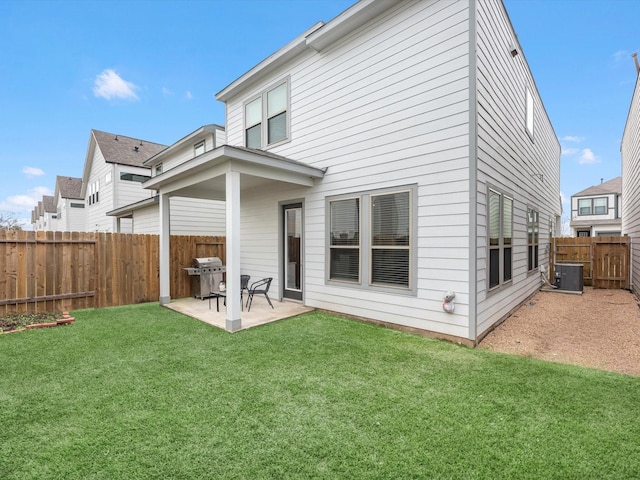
{"points": [[206, 275]]}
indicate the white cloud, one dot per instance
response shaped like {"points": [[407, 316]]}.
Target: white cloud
{"points": [[572, 138], [587, 157], [570, 151], [24, 202], [110, 85], [188, 95], [32, 171], [621, 55], [166, 91]]}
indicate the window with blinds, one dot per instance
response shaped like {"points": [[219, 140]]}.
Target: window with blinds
{"points": [[370, 239], [533, 227]]}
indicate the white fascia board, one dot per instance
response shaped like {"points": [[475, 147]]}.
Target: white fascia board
{"points": [[346, 22], [285, 54], [160, 156], [255, 160]]}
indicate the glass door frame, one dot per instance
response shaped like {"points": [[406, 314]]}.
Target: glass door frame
{"points": [[286, 265]]}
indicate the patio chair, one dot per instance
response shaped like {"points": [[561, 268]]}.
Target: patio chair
{"points": [[244, 285], [261, 287]]}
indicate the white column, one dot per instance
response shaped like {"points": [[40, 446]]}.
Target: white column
{"points": [[165, 284], [232, 179]]}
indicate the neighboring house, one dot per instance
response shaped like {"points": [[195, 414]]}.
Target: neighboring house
{"points": [[112, 178], [189, 216], [44, 214], [630, 150], [381, 161], [596, 211], [69, 205]]}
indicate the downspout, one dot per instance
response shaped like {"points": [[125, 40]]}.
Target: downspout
{"points": [[473, 175]]}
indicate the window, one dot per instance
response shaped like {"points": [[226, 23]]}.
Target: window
{"points": [[198, 148], [266, 118], [532, 238], [529, 113], [593, 206], [94, 194], [158, 169], [134, 177], [77, 205], [500, 238], [370, 239]]}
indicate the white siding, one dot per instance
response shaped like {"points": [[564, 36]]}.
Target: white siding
{"points": [[145, 220], [195, 216], [126, 191], [509, 159], [631, 185], [96, 218], [387, 106]]}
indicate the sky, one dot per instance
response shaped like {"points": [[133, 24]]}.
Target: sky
{"points": [[150, 69]]}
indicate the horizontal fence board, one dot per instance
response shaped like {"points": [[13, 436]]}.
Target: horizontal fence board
{"points": [[61, 271]]}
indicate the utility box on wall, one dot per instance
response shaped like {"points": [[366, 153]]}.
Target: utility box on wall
{"points": [[568, 277]]}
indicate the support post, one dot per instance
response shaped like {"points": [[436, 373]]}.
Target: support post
{"points": [[233, 321], [165, 237]]}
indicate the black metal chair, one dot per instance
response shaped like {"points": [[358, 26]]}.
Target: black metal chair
{"points": [[261, 287], [244, 285]]}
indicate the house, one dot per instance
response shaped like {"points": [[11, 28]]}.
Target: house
{"points": [[189, 216], [44, 214], [69, 205], [112, 177], [630, 151], [395, 163], [596, 211]]}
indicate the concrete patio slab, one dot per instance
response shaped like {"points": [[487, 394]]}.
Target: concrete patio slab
{"points": [[261, 313]]}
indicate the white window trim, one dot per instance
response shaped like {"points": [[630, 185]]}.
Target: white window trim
{"points": [[365, 243], [529, 113], [534, 244], [264, 115]]}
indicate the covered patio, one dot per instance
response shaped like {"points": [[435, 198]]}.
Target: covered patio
{"points": [[223, 174], [260, 314]]}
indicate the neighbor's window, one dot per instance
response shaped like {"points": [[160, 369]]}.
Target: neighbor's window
{"points": [[584, 206], [370, 239], [532, 238], [529, 113], [266, 118], [600, 206], [77, 205], [134, 177], [198, 148], [94, 193], [158, 169], [500, 238]]}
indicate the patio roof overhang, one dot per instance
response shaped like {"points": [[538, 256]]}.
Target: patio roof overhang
{"points": [[204, 176]]}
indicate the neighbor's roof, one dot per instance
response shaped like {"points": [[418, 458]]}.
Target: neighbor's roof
{"points": [[69, 187], [48, 204], [612, 186], [126, 150]]}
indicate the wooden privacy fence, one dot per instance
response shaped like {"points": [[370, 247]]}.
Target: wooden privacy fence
{"points": [[55, 271], [605, 260]]}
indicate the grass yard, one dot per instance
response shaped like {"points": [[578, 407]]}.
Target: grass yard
{"points": [[142, 392]]}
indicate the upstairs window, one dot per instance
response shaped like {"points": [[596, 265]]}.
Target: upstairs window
{"points": [[158, 169], [266, 118], [529, 113], [593, 206], [500, 238], [134, 177], [198, 148], [600, 206]]}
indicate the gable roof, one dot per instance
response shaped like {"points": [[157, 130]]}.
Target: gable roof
{"points": [[612, 186], [48, 204], [69, 187], [125, 150]]}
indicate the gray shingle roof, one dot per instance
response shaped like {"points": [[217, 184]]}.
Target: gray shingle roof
{"points": [[612, 186], [69, 187], [48, 203], [126, 150]]}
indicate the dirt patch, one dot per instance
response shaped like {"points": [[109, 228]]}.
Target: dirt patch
{"points": [[599, 329]]}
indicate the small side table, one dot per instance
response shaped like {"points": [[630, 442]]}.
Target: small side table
{"points": [[217, 294]]}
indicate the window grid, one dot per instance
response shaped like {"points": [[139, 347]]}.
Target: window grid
{"points": [[266, 117], [500, 231]]}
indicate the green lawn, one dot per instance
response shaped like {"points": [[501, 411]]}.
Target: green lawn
{"points": [[144, 392]]}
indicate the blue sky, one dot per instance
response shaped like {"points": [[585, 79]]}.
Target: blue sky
{"points": [[150, 70]]}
